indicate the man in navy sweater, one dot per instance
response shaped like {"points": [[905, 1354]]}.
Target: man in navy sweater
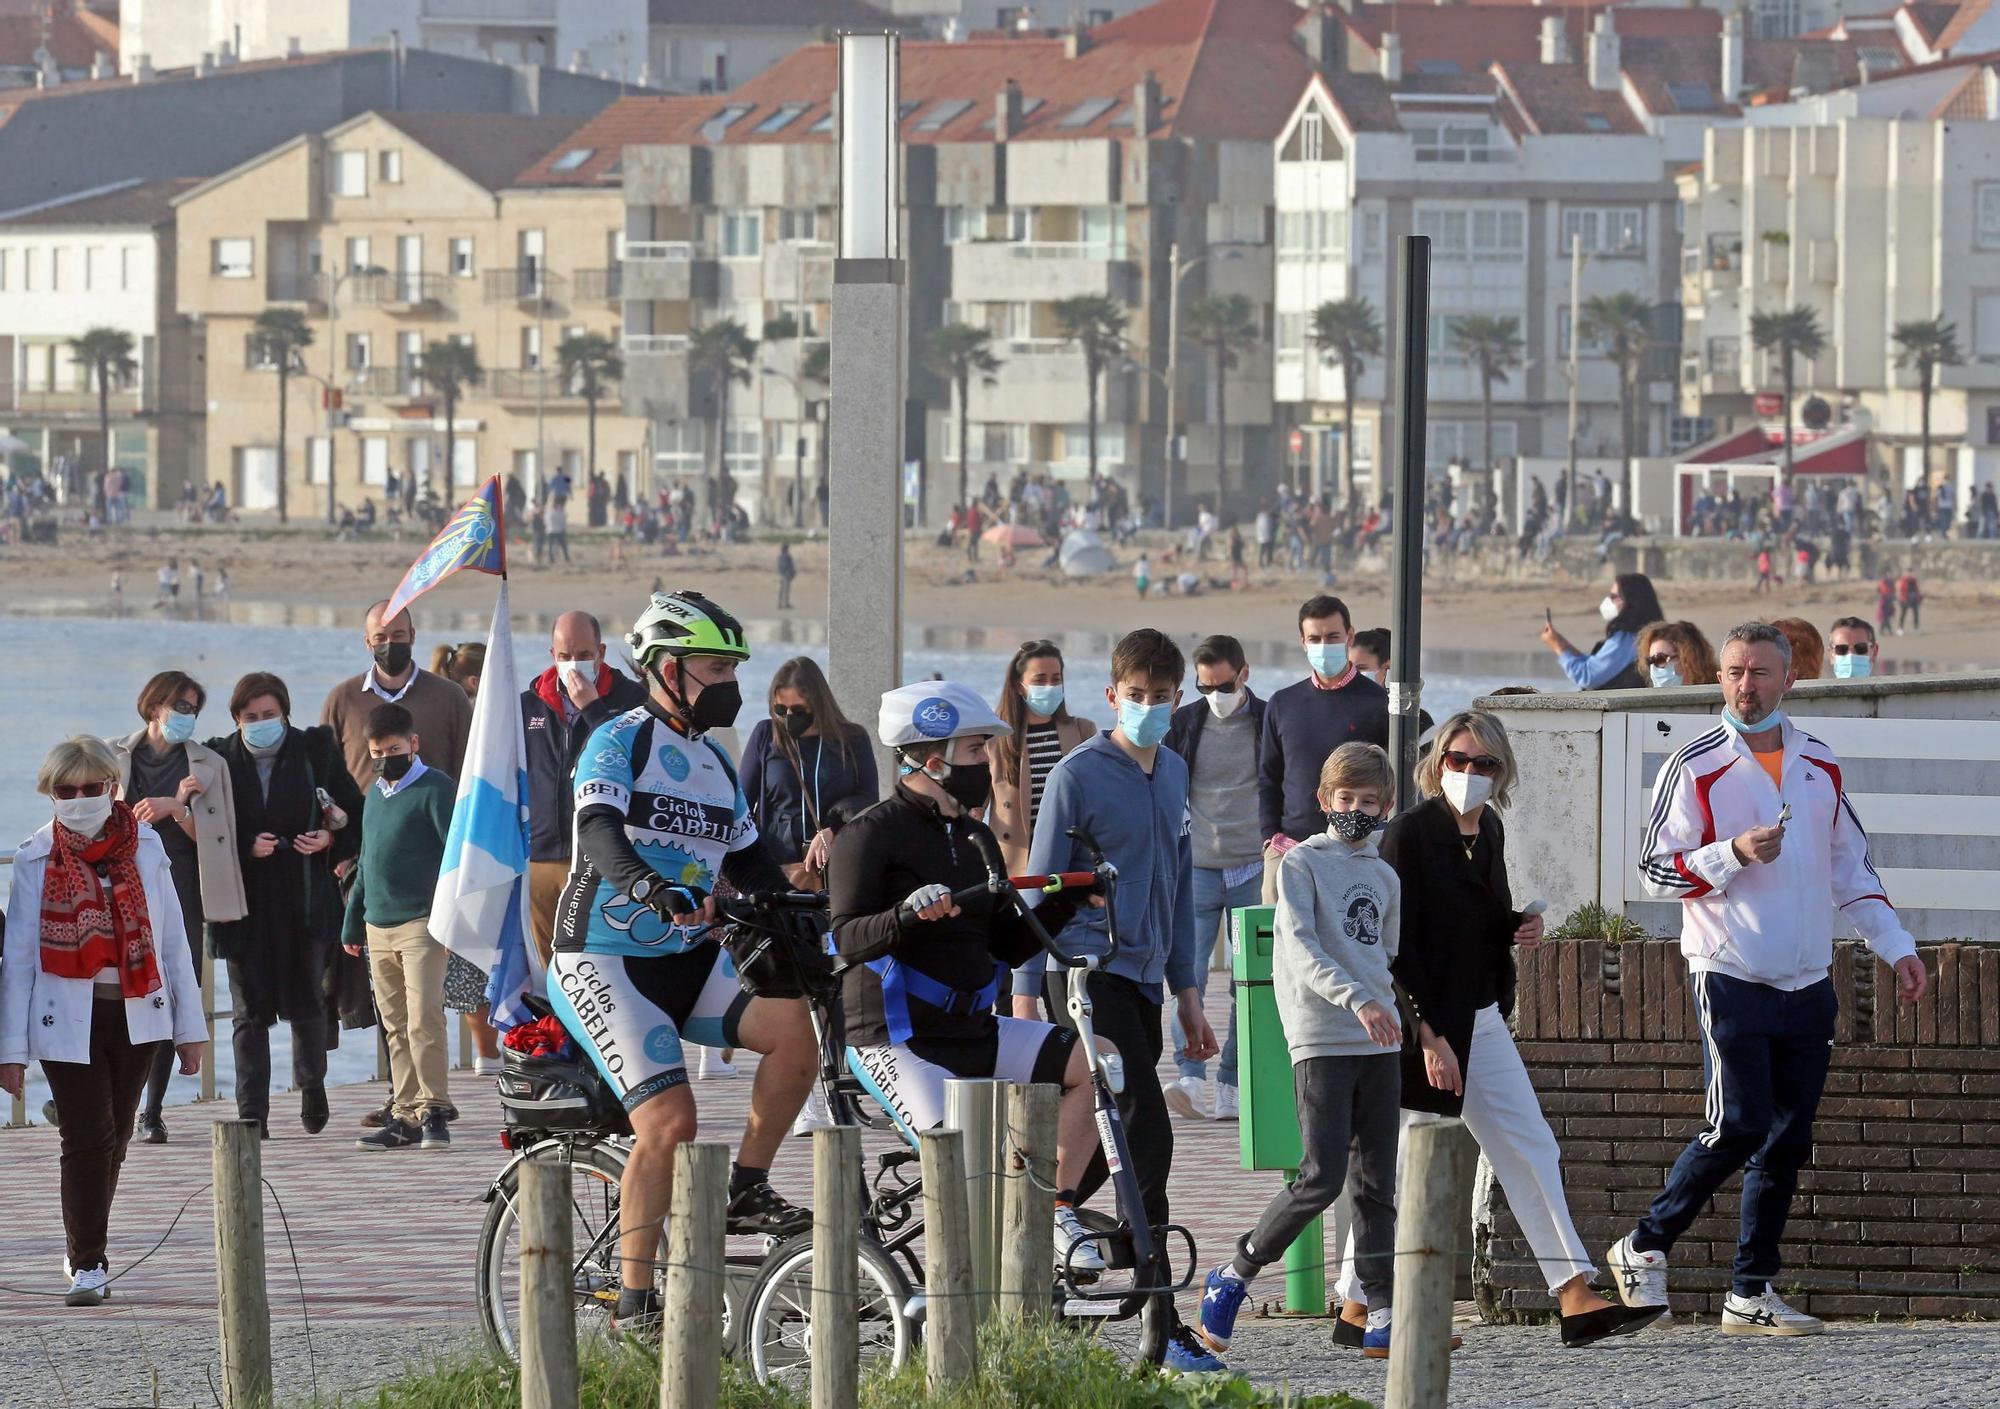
{"points": [[1303, 723]]}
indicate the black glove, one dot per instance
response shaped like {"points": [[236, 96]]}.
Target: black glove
{"points": [[675, 903]]}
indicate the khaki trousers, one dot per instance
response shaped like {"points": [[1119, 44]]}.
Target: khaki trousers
{"points": [[545, 887], [407, 967]]}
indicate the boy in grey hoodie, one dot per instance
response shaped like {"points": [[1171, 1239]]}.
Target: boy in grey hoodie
{"points": [[1338, 922]]}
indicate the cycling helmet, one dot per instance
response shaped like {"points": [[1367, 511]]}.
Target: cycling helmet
{"points": [[685, 624], [934, 710]]}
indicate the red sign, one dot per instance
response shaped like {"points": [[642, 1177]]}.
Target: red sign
{"points": [[1769, 403], [1298, 440]]}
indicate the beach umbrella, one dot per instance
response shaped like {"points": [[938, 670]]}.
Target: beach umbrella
{"points": [[12, 444], [1084, 555], [1012, 535]]}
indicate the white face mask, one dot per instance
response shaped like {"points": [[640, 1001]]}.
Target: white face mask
{"points": [[85, 816], [1226, 705], [1607, 608], [1465, 791], [576, 667]]}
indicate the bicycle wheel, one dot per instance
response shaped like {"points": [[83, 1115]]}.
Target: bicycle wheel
{"points": [[777, 1323], [595, 1170]]}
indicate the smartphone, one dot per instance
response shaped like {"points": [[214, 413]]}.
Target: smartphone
{"points": [[1533, 908], [1547, 618]]}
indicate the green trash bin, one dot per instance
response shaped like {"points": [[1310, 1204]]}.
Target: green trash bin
{"points": [[1268, 1120]]}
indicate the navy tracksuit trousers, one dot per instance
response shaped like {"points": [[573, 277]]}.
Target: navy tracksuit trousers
{"points": [[1765, 1054]]}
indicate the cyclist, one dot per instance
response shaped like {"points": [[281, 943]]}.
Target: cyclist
{"points": [[659, 818], [924, 970]]}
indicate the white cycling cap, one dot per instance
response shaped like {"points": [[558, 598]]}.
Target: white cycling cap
{"points": [[934, 710]]}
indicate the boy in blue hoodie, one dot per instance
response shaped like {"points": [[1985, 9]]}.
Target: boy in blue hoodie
{"points": [[1131, 796]]}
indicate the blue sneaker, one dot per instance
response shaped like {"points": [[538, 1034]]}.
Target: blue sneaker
{"points": [[1187, 1354], [1221, 1298], [1375, 1343]]}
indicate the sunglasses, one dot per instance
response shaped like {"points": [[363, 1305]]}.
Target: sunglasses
{"points": [[1661, 660], [1861, 648], [69, 792], [184, 707], [1485, 764], [1220, 687], [788, 711]]}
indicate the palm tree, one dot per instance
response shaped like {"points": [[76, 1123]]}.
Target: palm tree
{"points": [[589, 361], [1927, 345], [448, 368], [1095, 326], [1794, 332], [280, 336], [1622, 324], [1493, 345], [1346, 331], [107, 352], [1225, 325], [721, 353], [958, 353]]}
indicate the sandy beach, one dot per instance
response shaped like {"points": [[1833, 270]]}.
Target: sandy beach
{"points": [[305, 576]]}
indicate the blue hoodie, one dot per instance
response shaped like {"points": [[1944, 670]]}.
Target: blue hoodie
{"points": [[1141, 824]]}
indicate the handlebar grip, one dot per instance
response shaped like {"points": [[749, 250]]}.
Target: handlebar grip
{"points": [[1067, 880], [908, 914]]}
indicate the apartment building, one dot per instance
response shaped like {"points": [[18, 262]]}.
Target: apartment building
{"points": [[391, 232], [1874, 205], [1103, 162], [99, 261]]}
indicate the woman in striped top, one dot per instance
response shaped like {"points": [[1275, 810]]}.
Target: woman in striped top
{"points": [[1031, 703]]}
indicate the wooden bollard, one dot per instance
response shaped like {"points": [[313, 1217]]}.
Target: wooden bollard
{"points": [[1427, 1241], [1027, 1253], [242, 1301], [548, 1310], [697, 1278], [836, 1274], [951, 1320], [977, 1109]]}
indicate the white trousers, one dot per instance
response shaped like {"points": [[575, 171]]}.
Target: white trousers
{"points": [[1515, 1140]]}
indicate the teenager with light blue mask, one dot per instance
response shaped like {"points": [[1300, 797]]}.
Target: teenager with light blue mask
{"points": [[1855, 650], [1041, 730]]}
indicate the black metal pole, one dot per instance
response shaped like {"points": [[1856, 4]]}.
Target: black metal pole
{"points": [[1406, 579]]}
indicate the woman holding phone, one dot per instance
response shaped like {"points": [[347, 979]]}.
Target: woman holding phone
{"points": [[1613, 663]]}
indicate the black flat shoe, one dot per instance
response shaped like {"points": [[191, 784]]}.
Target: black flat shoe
{"points": [[1347, 1333], [313, 1110], [152, 1130], [1590, 1327]]}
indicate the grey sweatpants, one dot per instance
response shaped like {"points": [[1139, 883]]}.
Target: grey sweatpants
{"points": [[1344, 1103]]}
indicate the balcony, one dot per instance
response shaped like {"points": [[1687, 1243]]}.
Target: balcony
{"points": [[388, 383], [297, 287], [532, 386], [661, 270], [656, 376], [599, 285], [78, 404], [529, 286], [1019, 271], [401, 292], [1046, 386]]}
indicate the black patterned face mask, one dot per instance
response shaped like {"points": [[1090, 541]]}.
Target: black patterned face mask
{"points": [[1351, 826]]}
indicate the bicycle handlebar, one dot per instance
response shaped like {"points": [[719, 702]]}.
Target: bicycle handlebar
{"points": [[1104, 876]]}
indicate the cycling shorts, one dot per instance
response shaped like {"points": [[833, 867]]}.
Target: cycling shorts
{"points": [[631, 1012], [909, 1080]]}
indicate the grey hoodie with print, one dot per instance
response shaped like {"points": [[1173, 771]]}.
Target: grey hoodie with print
{"points": [[1339, 919]]}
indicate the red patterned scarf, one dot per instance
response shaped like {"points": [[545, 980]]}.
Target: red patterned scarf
{"points": [[86, 930]]}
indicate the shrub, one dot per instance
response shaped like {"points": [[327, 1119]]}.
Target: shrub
{"points": [[1595, 921]]}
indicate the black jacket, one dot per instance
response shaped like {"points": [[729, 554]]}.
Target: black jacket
{"points": [[1456, 953], [552, 749], [1184, 732]]}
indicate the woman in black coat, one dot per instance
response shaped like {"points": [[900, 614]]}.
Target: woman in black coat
{"points": [[289, 839], [1455, 961]]}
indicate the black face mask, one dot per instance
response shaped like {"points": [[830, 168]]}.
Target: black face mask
{"points": [[716, 707], [970, 784], [393, 767], [393, 657], [796, 724]]}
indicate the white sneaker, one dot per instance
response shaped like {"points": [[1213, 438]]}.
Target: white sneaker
{"points": [[1225, 1102], [488, 1066], [89, 1287], [1765, 1315], [712, 1065], [814, 1114], [1069, 1228], [1184, 1097], [1640, 1278]]}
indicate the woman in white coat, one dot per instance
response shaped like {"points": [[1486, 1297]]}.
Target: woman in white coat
{"points": [[95, 974]]}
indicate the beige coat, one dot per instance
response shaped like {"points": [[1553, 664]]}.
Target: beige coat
{"points": [[215, 850], [1008, 815]]}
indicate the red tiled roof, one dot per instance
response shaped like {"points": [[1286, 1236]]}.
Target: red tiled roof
{"points": [[1654, 67], [1558, 98], [774, 14], [1969, 14], [490, 148], [75, 37], [1509, 32]]}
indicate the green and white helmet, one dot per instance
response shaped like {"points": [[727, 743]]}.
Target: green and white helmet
{"points": [[685, 624]]}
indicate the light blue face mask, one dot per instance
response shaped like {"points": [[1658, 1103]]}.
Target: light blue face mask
{"points": [[1142, 724], [1327, 658], [1764, 725], [1853, 667], [1665, 677], [177, 728], [263, 733], [1044, 700]]}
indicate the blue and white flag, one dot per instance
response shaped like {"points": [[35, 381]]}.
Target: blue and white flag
{"points": [[473, 540], [478, 911]]}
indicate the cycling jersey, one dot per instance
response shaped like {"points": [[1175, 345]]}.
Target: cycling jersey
{"points": [[681, 813]]}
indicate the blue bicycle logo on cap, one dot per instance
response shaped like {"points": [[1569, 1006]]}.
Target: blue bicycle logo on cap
{"points": [[934, 718]]}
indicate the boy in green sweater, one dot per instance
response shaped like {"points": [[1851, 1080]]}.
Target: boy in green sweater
{"points": [[404, 821]]}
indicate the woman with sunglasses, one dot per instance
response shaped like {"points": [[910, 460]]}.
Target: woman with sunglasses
{"points": [[181, 789], [95, 975], [1613, 663], [1456, 963], [800, 765], [1676, 653]]}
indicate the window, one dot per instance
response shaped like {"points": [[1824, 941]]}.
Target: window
{"points": [[97, 268], [719, 124], [1986, 196], [1453, 142], [1371, 234], [375, 460], [1312, 136], [1236, 224], [963, 224], [1683, 431], [461, 257], [1480, 232], [1007, 17], [360, 355], [1692, 97], [1103, 230], [389, 166], [257, 353], [348, 173], [56, 262], [1465, 442], [679, 447], [232, 258], [358, 257], [742, 234], [1312, 234], [1087, 112], [4, 254], [1291, 332], [781, 117], [1591, 346], [825, 123], [1440, 344], [1021, 222], [1110, 444], [576, 157], [531, 348], [801, 224], [1777, 19], [1439, 68], [319, 459], [1724, 355], [1596, 122], [942, 113], [1605, 230], [1986, 326], [31, 269], [743, 446]]}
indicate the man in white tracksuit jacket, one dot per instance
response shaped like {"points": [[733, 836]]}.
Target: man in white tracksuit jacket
{"points": [[1753, 832]]}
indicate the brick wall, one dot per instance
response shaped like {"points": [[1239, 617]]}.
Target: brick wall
{"points": [[1898, 1211]]}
